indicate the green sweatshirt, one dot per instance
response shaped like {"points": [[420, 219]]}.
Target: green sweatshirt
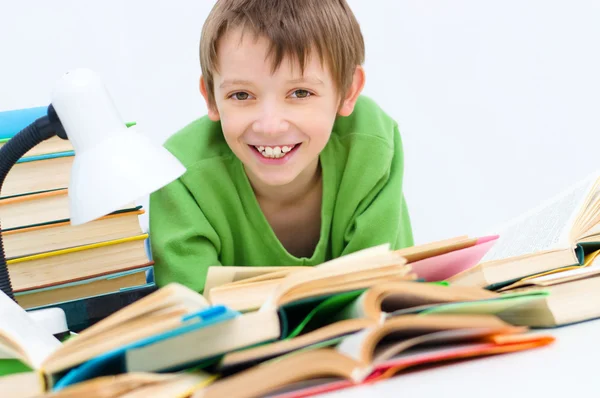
{"points": [[210, 216]]}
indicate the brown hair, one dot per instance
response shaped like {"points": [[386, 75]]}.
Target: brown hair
{"points": [[294, 28]]}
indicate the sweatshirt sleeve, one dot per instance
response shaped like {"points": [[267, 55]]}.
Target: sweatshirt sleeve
{"points": [[183, 242], [382, 215]]}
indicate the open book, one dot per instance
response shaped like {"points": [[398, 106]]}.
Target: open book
{"points": [[358, 270], [393, 344], [128, 385], [551, 236], [347, 313], [158, 331], [168, 309], [246, 288]]}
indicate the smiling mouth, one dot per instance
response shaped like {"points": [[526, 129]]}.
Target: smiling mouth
{"points": [[274, 152]]}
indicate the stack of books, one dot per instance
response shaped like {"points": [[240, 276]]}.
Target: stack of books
{"points": [[91, 270], [552, 248], [356, 319]]}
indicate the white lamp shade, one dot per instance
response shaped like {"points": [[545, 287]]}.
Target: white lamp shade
{"points": [[114, 165]]}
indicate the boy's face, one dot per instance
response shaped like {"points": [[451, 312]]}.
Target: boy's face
{"points": [[275, 123]]}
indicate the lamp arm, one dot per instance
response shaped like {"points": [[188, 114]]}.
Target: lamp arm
{"points": [[43, 128]]}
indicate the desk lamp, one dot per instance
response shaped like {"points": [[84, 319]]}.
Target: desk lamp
{"points": [[113, 165]]}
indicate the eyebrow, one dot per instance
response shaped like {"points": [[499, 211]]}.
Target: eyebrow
{"points": [[235, 82], [311, 79], [231, 82]]}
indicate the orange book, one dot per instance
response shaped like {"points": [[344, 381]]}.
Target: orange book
{"points": [[380, 350]]}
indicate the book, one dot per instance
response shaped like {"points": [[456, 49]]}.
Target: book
{"points": [[84, 312], [567, 302], [441, 266], [22, 385], [433, 261], [350, 312], [590, 267], [38, 174], [45, 269], [129, 385], [555, 234], [15, 120], [52, 145], [362, 269], [219, 275], [388, 298], [170, 308], [115, 360], [254, 328], [56, 235], [426, 358], [381, 347], [39, 209], [65, 291]]}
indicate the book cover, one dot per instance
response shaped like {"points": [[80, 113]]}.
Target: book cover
{"points": [[85, 312], [13, 121], [112, 361]]}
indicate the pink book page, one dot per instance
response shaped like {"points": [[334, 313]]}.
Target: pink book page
{"points": [[444, 266]]}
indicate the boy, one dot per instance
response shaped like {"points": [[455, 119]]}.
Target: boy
{"points": [[291, 166]]}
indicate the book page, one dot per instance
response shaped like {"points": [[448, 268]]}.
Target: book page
{"points": [[352, 345], [546, 227], [19, 327]]}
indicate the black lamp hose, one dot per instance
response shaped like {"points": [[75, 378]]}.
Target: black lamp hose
{"points": [[38, 131]]}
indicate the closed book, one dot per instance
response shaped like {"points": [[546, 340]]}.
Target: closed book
{"points": [[85, 312], [56, 235], [39, 208], [51, 145], [38, 174], [15, 120], [84, 288], [44, 269]]}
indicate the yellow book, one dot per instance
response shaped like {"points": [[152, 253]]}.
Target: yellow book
{"points": [[25, 241], [44, 269]]}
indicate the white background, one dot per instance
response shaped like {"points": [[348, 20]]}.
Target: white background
{"points": [[498, 102]]}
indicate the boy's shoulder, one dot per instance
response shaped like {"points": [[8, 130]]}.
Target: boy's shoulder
{"points": [[200, 140], [368, 120]]}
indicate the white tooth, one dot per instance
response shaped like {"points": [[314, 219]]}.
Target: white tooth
{"points": [[285, 149], [277, 151], [261, 148], [269, 151]]}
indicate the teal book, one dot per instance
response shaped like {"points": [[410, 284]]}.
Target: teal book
{"points": [[46, 156], [13, 121], [113, 362]]}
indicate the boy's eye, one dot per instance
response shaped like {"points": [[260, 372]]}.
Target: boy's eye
{"points": [[301, 94], [240, 96]]}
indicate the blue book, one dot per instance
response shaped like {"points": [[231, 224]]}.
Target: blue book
{"points": [[13, 121], [113, 362]]}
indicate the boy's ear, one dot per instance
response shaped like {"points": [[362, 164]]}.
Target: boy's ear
{"points": [[349, 100], [213, 112]]}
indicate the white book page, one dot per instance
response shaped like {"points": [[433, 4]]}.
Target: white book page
{"points": [[546, 227], [351, 345], [21, 328]]}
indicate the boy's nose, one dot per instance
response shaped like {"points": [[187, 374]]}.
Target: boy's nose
{"points": [[270, 122]]}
